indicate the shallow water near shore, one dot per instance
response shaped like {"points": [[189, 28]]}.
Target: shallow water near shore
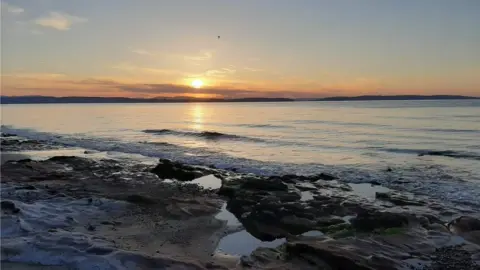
{"points": [[429, 147]]}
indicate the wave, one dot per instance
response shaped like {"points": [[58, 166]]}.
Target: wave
{"points": [[443, 153], [451, 130], [336, 123], [209, 135], [262, 126]]}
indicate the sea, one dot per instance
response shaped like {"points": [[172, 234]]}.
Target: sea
{"points": [[428, 147]]}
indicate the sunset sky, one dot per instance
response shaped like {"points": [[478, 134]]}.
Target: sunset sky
{"points": [[281, 48]]}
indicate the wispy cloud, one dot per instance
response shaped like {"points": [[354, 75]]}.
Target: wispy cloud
{"points": [[219, 72], [38, 76], [202, 57], [59, 21], [134, 68], [11, 8], [143, 52], [252, 69]]}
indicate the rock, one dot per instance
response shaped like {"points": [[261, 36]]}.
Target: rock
{"points": [[139, 199], [329, 221], [324, 176], [296, 225], [452, 257], [339, 255], [167, 169], [375, 183], [264, 184], [464, 224], [9, 206], [28, 187], [369, 221], [396, 199], [246, 261], [90, 227], [473, 236], [305, 188]]}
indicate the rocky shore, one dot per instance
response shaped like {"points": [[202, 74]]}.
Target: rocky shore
{"points": [[82, 209]]}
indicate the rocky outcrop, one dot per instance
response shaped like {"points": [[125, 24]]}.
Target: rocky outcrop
{"points": [[269, 208], [464, 224], [167, 169], [9, 207], [369, 221], [397, 199]]}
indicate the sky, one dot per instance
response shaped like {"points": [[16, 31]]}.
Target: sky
{"points": [[268, 48]]}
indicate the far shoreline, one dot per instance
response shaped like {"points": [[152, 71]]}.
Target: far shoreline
{"points": [[5, 100]]}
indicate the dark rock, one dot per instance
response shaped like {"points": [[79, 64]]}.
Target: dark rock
{"points": [[246, 261], [464, 224], [369, 221], [99, 250], [139, 199], [452, 257], [305, 188], [167, 169], [9, 206], [326, 221], [375, 183], [296, 225], [264, 184], [90, 227], [396, 199], [338, 255], [29, 187], [324, 176]]}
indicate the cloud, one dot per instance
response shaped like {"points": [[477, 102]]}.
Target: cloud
{"points": [[219, 72], [11, 9], [143, 52], [59, 21], [134, 68], [252, 69], [202, 57], [35, 76]]}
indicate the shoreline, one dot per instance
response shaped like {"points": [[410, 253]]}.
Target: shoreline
{"points": [[148, 219]]}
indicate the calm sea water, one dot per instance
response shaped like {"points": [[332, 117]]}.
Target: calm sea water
{"points": [[432, 146]]}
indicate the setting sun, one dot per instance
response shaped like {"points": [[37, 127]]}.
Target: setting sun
{"points": [[197, 83]]}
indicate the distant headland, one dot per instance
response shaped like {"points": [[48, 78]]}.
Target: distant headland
{"points": [[51, 99]]}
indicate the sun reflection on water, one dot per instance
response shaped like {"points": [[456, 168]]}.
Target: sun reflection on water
{"points": [[197, 114]]}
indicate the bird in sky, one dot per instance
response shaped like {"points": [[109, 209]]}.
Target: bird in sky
{"points": [[218, 37]]}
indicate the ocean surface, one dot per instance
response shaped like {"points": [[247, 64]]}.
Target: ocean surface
{"points": [[425, 147]]}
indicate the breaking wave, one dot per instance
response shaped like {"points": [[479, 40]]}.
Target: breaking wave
{"points": [[208, 135], [443, 153]]}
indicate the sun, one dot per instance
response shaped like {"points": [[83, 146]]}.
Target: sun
{"points": [[197, 83]]}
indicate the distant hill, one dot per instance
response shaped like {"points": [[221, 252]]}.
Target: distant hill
{"points": [[398, 97], [49, 100]]}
